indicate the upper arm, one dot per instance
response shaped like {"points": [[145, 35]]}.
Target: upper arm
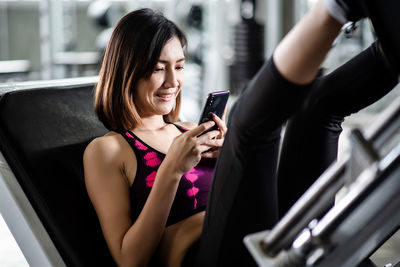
{"points": [[108, 188]]}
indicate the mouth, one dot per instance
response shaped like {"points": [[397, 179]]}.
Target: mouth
{"points": [[166, 97]]}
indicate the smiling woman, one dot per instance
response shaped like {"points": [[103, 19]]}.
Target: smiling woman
{"points": [[132, 54], [149, 177]]}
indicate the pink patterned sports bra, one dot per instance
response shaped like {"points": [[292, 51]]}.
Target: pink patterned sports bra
{"points": [[192, 193]]}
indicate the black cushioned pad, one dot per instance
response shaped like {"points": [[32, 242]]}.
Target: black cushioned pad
{"points": [[43, 133]]}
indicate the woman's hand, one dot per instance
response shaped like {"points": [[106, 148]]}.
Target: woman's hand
{"points": [[186, 150], [217, 142]]}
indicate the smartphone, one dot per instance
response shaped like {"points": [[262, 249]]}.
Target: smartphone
{"points": [[216, 102]]}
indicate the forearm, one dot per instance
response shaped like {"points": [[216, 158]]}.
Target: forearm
{"points": [[301, 52], [143, 237]]}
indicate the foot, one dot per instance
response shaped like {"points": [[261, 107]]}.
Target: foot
{"points": [[346, 10]]}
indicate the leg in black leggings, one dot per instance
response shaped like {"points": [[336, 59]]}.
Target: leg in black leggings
{"points": [[243, 195], [311, 138]]}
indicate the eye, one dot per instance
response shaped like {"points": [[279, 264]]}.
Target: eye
{"points": [[179, 68], [158, 69]]}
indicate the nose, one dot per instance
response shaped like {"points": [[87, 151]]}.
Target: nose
{"points": [[171, 79]]}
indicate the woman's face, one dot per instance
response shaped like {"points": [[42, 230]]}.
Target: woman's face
{"points": [[156, 95]]}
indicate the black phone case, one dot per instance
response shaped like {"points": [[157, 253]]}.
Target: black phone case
{"points": [[216, 102]]}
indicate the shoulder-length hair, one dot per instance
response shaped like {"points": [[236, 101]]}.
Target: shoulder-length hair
{"points": [[132, 54]]}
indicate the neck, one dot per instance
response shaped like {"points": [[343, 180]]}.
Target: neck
{"points": [[152, 123]]}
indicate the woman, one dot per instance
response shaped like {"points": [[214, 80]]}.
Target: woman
{"points": [[138, 99], [140, 77]]}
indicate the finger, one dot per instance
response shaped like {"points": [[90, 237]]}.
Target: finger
{"points": [[215, 143], [201, 128], [224, 115], [220, 123], [217, 120], [221, 126], [208, 136], [210, 154], [204, 149]]}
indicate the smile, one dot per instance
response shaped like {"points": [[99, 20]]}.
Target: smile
{"points": [[166, 97]]}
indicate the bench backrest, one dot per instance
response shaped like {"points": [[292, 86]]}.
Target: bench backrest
{"points": [[43, 134]]}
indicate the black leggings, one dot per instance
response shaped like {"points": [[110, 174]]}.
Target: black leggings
{"points": [[245, 192]]}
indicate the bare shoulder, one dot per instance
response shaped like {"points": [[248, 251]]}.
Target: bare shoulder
{"points": [[104, 145], [186, 124], [108, 149]]}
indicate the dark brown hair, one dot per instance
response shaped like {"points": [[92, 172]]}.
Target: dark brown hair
{"points": [[131, 54]]}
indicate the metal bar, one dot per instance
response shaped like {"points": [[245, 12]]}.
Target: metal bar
{"points": [[367, 181], [370, 193], [374, 171], [368, 225], [294, 221], [344, 207], [316, 199], [387, 123]]}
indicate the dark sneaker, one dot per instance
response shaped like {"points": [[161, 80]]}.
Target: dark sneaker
{"points": [[346, 10], [354, 10]]}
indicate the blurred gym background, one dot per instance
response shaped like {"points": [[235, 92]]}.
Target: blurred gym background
{"points": [[228, 40]]}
